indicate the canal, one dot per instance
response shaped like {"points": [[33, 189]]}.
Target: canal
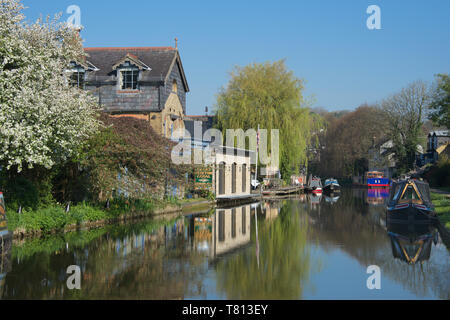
{"points": [[305, 247]]}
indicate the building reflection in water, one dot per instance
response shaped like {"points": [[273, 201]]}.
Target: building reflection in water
{"points": [[227, 229]]}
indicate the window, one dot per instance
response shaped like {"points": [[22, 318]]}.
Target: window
{"points": [[77, 79], [174, 86], [410, 195], [129, 79], [76, 75]]}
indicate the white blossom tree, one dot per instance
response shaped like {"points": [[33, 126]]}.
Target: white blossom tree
{"points": [[43, 119]]}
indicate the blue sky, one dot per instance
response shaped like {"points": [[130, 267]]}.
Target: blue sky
{"points": [[326, 43]]}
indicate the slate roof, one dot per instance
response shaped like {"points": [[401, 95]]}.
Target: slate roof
{"points": [[161, 61], [440, 133], [190, 126]]}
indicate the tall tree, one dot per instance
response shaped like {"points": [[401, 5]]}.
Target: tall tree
{"points": [[440, 104], [405, 112], [268, 95], [43, 120]]}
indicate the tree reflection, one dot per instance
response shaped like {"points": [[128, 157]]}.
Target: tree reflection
{"points": [[284, 261], [132, 262]]}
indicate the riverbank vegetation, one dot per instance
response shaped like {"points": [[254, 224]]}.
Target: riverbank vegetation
{"points": [[57, 148], [441, 203], [56, 218]]}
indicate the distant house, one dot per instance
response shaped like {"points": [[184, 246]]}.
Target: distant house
{"points": [[143, 82], [382, 159], [437, 143]]}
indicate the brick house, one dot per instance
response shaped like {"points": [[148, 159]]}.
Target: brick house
{"points": [[144, 82]]}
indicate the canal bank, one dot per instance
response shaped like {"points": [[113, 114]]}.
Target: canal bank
{"points": [[81, 217], [84, 217]]}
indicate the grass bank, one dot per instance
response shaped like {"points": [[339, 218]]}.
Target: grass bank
{"points": [[54, 218], [442, 205]]}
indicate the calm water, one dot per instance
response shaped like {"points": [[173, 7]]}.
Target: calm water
{"points": [[302, 248]]}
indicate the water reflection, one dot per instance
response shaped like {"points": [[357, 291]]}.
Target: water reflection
{"points": [[412, 243], [332, 198], [5, 261], [372, 196], [302, 247], [281, 269], [314, 200], [221, 232]]}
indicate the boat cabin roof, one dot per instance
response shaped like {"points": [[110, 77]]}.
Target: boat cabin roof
{"points": [[374, 174], [410, 191]]}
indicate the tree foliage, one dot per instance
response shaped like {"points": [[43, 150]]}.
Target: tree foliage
{"points": [[404, 113], [268, 95], [440, 104], [348, 139], [130, 148], [43, 120]]}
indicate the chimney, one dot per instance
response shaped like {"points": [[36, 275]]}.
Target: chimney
{"points": [[176, 43]]}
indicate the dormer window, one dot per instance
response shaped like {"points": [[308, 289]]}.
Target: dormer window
{"points": [[129, 76], [76, 76], [128, 72]]}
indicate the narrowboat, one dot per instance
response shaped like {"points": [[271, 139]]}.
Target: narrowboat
{"points": [[410, 201], [376, 179], [315, 185], [331, 185]]}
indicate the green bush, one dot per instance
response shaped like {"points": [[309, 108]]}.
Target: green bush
{"points": [[439, 174], [21, 192], [44, 220], [84, 212]]}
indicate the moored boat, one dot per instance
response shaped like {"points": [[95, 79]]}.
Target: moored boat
{"points": [[410, 201], [331, 185], [376, 179], [315, 185]]}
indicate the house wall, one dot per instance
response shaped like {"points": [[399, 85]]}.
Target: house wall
{"points": [[167, 89], [113, 100], [156, 100], [229, 160]]}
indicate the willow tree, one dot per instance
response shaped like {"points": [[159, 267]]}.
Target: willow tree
{"points": [[268, 95]]}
